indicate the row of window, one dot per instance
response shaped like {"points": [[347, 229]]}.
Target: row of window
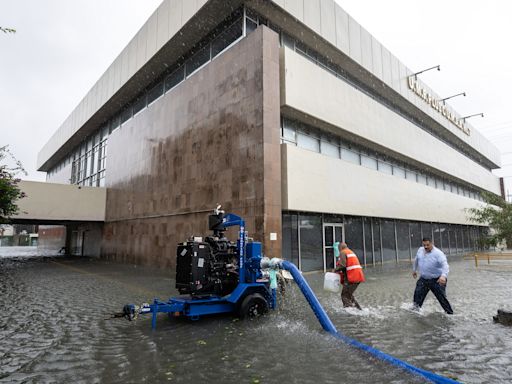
{"points": [[308, 238], [307, 137]]}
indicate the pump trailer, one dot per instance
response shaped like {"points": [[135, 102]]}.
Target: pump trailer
{"points": [[215, 276]]}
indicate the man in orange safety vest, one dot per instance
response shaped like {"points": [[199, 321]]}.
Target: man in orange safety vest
{"points": [[351, 274]]}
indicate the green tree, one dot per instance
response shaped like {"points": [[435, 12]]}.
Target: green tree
{"points": [[9, 189], [497, 213], [7, 30]]}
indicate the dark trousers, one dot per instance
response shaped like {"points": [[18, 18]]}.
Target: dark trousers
{"points": [[347, 295], [439, 291]]}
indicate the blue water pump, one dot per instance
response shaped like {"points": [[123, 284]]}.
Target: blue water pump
{"points": [[214, 275]]}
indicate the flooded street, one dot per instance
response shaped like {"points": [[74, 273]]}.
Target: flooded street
{"points": [[55, 328]]}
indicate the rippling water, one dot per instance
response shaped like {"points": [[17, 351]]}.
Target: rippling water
{"points": [[54, 328]]}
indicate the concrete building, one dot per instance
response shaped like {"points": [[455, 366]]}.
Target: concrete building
{"points": [[286, 112]]}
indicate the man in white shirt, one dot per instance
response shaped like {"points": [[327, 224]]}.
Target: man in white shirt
{"points": [[433, 269]]}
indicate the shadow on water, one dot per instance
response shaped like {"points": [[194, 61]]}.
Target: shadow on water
{"points": [[55, 328]]}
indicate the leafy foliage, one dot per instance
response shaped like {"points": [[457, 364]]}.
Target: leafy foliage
{"points": [[7, 30], [9, 190], [497, 213]]}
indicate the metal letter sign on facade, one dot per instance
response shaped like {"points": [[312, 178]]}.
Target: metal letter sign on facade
{"points": [[438, 105]]}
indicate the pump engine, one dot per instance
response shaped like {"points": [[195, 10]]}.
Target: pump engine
{"points": [[209, 266]]}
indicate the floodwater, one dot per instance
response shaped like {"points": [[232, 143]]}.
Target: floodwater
{"points": [[55, 328]]}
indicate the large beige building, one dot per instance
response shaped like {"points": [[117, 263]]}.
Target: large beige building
{"points": [[287, 112]]}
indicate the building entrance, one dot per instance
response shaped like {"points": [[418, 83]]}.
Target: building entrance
{"points": [[332, 233]]}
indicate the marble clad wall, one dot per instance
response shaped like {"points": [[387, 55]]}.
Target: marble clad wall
{"points": [[215, 138]]}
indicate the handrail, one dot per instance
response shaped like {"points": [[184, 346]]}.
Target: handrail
{"points": [[489, 256]]}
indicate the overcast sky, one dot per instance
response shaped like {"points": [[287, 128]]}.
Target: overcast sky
{"points": [[62, 47]]}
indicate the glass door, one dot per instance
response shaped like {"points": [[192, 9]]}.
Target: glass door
{"points": [[332, 233]]}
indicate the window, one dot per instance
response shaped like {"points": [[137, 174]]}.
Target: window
{"points": [[155, 92], [230, 35], [290, 238], [198, 60], [350, 155], [104, 131], [289, 132], [368, 162], [329, 149], [307, 142], [114, 123], [126, 114], [376, 241], [368, 257], [402, 237], [354, 235], [310, 227], [385, 167], [388, 240], [95, 159], [250, 26], [175, 78], [139, 104], [445, 244], [415, 233], [88, 164], [288, 41], [399, 172], [410, 175], [422, 179]]}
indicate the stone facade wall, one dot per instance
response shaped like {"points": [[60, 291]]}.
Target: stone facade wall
{"points": [[214, 139]]}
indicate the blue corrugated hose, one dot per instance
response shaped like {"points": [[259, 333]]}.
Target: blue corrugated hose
{"points": [[329, 327]]}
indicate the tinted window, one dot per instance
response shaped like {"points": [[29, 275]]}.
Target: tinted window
{"points": [[175, 78], [155, 92], [354, 235], [139, 104], [230, 35], [311, 243], [388, 240], [198, 60], [402, 237]]}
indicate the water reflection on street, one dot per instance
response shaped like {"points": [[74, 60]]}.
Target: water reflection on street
{"points": [[55, 328]]}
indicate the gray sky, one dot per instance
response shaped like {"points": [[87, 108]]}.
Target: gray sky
{"points": [[62, 47]]}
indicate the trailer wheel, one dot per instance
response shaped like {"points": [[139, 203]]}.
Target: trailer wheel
{"points": [[253, 305]]}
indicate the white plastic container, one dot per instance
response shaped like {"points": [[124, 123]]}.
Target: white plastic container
{"points": [[332, 282]]}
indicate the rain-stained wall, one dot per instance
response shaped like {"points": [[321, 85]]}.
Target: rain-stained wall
{"points": [[214, 139]]}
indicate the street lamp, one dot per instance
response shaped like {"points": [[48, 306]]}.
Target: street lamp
{"points": [[438, 67], [467, 117], [451, 97]]}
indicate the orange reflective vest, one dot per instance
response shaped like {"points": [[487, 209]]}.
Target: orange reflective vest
{"points": [[354, 270]]}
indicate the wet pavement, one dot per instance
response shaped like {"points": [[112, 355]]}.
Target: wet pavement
{"points": [[55, 328]]}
